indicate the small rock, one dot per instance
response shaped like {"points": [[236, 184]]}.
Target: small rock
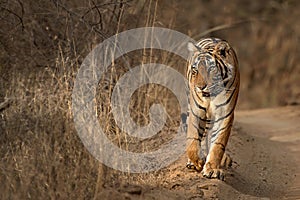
{"points": [[175, 186], [132, 189]]}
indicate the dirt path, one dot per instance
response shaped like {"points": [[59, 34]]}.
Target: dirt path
{"points": [[276, 147], [265, 147]]}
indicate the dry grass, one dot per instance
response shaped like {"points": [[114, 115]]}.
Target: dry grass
{"points": [[42, 46], [41, 154]]}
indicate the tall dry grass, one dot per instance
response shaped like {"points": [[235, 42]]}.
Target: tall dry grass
{"points": [[41, 154]]}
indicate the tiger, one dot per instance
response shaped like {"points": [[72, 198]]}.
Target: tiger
{"points": [[213, 84]]}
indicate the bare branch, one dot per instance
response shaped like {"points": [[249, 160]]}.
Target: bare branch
{"points": [[225, 26], [5, 104], [16, 15]]}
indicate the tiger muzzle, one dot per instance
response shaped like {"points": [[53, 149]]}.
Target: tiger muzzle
{"points": [[201, 90]]}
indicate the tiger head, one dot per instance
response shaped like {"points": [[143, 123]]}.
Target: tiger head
{"points": [[212, 66]]}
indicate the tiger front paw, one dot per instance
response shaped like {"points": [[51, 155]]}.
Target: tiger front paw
{"points": [[209, 172], [199, 167]]}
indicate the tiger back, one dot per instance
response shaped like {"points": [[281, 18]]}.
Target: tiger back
{"points": [[214, 80]]}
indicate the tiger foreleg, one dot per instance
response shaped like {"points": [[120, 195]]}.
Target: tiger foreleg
{"points": [[194, 160], [217, 159], [212, 167], [195, 133]]}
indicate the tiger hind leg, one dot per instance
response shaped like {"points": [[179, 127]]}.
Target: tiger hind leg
{"points": [[226, 161]]}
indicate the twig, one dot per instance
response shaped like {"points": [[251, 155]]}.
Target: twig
{"points": [[16, 15], [57, 3], [95, 6], [225, 26], [5, 104], [80, 18]]}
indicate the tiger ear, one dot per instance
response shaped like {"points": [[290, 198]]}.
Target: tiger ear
{"points": [[222, 48], [192, 47]]}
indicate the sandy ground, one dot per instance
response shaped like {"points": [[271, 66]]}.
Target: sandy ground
{"points": [[265, 147]]}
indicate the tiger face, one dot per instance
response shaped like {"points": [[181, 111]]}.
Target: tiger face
{"points": [[211, 68]]}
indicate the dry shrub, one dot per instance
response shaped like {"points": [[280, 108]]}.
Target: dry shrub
{"points": [[41, 154]]}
